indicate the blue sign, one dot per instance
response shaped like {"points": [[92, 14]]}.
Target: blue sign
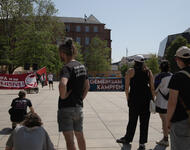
{"points": [[106, 84]]}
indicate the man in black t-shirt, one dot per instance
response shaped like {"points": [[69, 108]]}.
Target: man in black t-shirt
{"points": [[73, 88], [179, 101], [19, 108]]}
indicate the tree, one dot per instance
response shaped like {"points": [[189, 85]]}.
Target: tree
{"points": [[79, 56], [171, 50], [30, 33], [152, 64], [124, 69], [97, 56]]}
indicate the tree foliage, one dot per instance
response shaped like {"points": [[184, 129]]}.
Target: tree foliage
{"points": [[152, 64], [124, 69], [97, 56], [171, 50], [79, 56], [29, 33]]}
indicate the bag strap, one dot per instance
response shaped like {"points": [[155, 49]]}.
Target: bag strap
{"points": [[164, 96], [185, 72]]}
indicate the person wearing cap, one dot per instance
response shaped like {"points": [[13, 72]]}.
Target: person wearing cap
{"points": [[162, 94], [140, 81], [73, 88], [179, 102], [19, 108]]}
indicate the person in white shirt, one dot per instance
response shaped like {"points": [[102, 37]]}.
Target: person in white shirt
{"points": [[50, 80], [162, 95]]}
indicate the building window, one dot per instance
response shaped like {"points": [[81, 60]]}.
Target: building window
{"points": [[87, 40], [87, 28], [95, 29], [67, 28], [77, 28], [78, 40]]}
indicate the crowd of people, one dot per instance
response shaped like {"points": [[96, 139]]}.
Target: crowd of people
{"points": [[170, 92]]}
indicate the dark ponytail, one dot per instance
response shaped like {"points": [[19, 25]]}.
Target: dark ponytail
{"points": [[140, 66], [68, 47]]}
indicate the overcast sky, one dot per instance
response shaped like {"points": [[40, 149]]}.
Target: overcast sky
{"points": [[138, 25]]}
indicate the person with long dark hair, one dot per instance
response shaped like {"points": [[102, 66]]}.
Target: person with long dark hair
{"points": [[141, 91], [73, 88], [162, 94]]}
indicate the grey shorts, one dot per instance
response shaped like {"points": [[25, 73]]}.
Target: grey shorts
{"points": [[70, 119], [180, 135]]}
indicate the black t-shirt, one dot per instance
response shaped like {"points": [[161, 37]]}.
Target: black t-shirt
{"points": [[181, 83], [76, 74], [20, 108]]}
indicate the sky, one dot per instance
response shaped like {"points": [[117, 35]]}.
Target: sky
{"points": [[136, 25]]}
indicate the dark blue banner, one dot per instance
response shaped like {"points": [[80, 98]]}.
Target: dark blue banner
{"points": [[106, 84]]}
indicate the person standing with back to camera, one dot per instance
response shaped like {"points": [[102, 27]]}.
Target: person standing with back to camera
{"points": [[73, 88], [140, 81], [162, 95]]}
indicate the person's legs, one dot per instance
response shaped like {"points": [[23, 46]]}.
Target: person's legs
{"points": [[14, 125], [69, 138], [164, 125], [164, 141], [131, 127], [49, 85], [78, 128], [65, 124], [52, 86], [80, 140], [144, 124]]}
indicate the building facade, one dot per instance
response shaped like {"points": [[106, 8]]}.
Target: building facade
{"points": [[165, 43], [82, 30]]}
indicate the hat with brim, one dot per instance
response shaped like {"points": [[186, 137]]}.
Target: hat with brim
{"points": [[139, 58], [183, 52]]}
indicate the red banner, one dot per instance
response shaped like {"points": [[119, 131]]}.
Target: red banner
{"points": [[18, 81], [43, 75]]}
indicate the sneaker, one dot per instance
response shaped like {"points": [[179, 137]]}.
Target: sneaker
{"points": [[122, 140], [163, 142], [141, 147]]}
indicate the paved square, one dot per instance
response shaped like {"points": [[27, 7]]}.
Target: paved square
{"points": [[106, 117]]}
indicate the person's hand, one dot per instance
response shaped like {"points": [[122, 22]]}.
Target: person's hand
{"points": [[67, 94]]}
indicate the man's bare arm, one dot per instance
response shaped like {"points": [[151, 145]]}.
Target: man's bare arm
{"points": [[172, 102], [63, 88], [86, 88], [129, 74], [31, 109], [152, 84]]}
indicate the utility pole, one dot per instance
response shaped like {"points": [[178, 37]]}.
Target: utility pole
{"points": [[126, 52]]}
